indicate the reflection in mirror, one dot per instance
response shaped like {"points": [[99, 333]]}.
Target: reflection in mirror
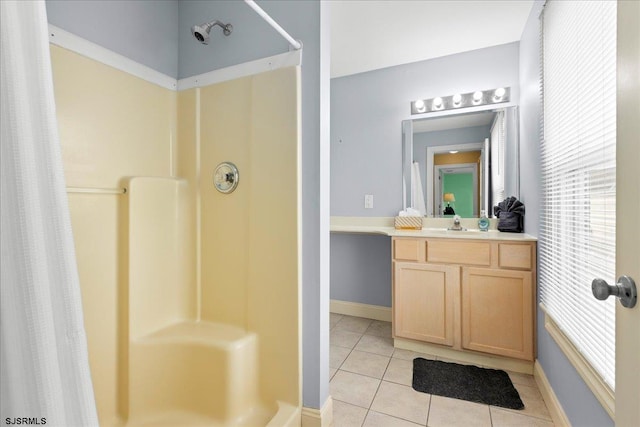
{"points": [[462, 163]]}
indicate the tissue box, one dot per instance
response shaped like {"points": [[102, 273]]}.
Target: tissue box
{"points": [[408, 223]]}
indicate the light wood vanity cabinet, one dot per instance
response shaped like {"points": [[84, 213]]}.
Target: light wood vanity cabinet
{"points": [[425, 296], [473, 295], [497, 312]]}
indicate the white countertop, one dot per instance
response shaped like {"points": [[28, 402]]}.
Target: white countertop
{"points": [[432, 227]]}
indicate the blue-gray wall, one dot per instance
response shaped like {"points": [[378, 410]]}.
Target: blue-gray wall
{"points": [[252, 38], [367, 110], [578, 402], [360, 268], [144, 31], [366, 114], [157, 34]]}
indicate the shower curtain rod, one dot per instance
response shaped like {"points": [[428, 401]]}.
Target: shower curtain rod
{"points": [[293, 42]]}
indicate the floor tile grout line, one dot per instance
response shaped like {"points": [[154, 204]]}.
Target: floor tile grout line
{"points": [[349, 354], [386, 368], [369, 376], [370, 352], [513, 411], [516, 412], [395, 416], [352, 404], [429, 408], [490, 416], [376, 393], [365, 375]]}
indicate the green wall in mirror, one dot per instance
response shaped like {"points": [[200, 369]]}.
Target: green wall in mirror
{"points": [[461, 185]]}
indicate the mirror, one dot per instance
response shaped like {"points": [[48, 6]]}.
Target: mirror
{"points": [[460, 163]]}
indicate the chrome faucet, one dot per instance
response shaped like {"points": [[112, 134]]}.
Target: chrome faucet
{"points": [[456, 224]]}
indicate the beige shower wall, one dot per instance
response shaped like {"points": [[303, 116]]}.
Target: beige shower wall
{"points": [[112, 125], [225, 135], [274, 297], [249, 258], [245, 263]]}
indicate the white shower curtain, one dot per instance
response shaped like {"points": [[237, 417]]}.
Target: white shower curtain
{"points": [[44, 372]]}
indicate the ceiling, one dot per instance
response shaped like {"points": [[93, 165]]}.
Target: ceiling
{"points": [[372, 34]]}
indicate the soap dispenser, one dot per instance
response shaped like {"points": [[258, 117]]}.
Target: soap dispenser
{"points": [[483, 222]]}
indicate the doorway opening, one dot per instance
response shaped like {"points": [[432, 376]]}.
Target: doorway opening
{"points": [[460, 183]]}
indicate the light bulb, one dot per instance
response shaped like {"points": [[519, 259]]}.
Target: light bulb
{"points": [[437, 103], [419, 105], [457, 100], [453, 151], [477, 97], [498, 94]]}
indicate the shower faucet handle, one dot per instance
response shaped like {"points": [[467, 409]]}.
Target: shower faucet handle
{"points": [[226, 177]]}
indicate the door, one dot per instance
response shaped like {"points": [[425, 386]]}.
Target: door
{"points": [[628, 206], [424, 299], [460, 180], [497, 311]]}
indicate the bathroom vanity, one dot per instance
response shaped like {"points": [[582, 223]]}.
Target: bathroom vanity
{"points": [[466, 295]]}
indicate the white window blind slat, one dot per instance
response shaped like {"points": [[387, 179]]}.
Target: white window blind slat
{"points": [[578, 165]]}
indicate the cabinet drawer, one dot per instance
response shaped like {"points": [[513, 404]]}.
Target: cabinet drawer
{"points": [[512, 255], [459, 252], [407, 249]]}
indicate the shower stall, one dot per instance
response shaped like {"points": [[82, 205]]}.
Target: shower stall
{"points": [[213, 311], [191, 295], [213, 276]]}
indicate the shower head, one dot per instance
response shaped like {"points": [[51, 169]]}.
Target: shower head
{"points": [[201, 32]]}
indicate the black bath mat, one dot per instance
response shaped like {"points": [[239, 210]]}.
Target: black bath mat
{"points": [[488, 386]]}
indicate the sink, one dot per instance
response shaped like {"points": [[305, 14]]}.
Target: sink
{"points": [[464, 232]]}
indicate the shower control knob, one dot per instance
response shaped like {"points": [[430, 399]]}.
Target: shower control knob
{"points": [[226, 177]]}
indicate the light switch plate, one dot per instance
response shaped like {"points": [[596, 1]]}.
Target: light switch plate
{"points": [[368, 201]]}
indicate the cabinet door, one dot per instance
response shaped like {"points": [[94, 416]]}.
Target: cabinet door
{"points": [[497, 312], [424, 301]]}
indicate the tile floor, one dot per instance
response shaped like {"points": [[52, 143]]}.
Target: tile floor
{"points": [[371, 386]]}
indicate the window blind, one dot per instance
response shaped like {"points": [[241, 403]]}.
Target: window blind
{"points": [[578, 159], [498, 141]]}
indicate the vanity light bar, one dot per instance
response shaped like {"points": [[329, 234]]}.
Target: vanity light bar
{"points": [[461, 100]]}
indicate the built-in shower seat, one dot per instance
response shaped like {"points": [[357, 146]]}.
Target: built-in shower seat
{"points": [[179, 371], [203, 369]]}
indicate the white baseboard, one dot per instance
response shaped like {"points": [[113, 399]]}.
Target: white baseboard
{"points": [[312, 417], [376, 312], [553, 404]]}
